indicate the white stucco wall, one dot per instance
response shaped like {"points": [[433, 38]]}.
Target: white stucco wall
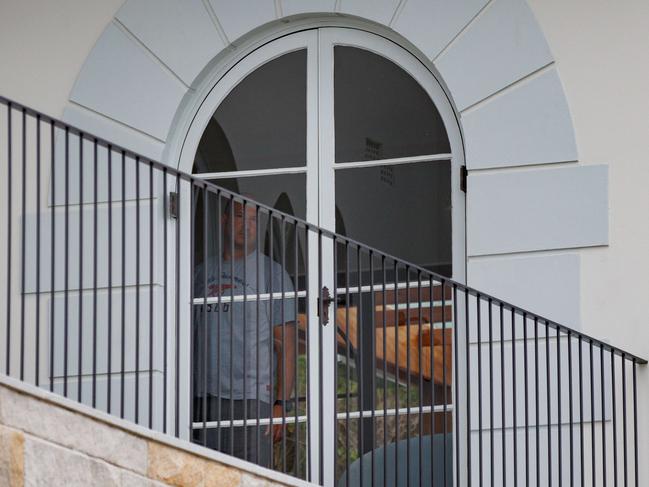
{"points": [[43, 46], [599, 48]]}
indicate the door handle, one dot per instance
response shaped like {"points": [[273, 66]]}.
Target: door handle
{"points": [[323, 304]]}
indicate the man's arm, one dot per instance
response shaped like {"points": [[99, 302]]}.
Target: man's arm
{"points": [[284, 343]]}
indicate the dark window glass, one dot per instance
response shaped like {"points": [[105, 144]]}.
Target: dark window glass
{"points": [[404, 210], [261, 124], [381, 111]]}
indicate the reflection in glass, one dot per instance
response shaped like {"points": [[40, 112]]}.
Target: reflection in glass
{"points": [[404, 210], [261, 124], [394, 362], [286, 193], [381, 111]]}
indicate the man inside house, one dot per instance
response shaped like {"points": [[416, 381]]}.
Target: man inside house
{"points": [[244, 353]]}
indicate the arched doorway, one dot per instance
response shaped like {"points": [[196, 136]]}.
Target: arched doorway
{"points": [[348, 131], [353, 131]]}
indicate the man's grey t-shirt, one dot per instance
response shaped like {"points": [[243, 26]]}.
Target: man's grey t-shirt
{"points": [[220, 354]]}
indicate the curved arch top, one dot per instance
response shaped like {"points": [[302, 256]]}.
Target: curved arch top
{"points": [[142, 80], [145, 79]]}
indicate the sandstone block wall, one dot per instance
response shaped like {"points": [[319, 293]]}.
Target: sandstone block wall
{"points": [[50, 441]]}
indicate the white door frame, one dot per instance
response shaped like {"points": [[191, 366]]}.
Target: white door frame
{"points": [[320, 179]]}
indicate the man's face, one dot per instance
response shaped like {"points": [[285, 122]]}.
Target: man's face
{"points": [[235, 229]]}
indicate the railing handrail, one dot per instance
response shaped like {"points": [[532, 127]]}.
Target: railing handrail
{"points": [[443, 280]]}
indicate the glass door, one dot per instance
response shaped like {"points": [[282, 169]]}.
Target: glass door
{"points": [[348, 131], [389, 169]]}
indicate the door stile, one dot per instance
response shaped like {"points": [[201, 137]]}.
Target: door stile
{"points": [[326, 220]]}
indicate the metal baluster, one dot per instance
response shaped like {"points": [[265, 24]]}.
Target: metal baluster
{"points": [[467, 322], [347, 361], [385, 373], [614, 404], [81, 250], [296, 369], [137, 288], [151, 317], [602, 393], [624, 423], [283, 314], [480, 432], [592, 413], [502, 394], [193, 195], [407, 375], [421, 375], [309, 408], [257, 336], [38, 251], [571, 419], [22, 244], [9, 238], [527, 403], [444, 371], [581, 412], [232, 202], [635, 424], [66, 262], [548, 400], [244, 358], [320, 361], [536, 395], [373, 384], [433, 401], [123, 331], [109, 245], [52, 253], [165, 304], [94, 277], [206, 334], [491, 394], [220, 262], [456, 406], [396, 368], [559, 407], [177, 338]]}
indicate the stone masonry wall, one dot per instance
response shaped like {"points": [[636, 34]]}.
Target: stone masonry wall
{"points": [[50, 441]]}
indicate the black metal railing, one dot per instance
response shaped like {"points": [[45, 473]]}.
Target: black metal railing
{"points": [[161, 298]]}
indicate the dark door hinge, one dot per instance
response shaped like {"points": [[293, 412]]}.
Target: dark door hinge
{"points": [[173, 204], [463, 176]]}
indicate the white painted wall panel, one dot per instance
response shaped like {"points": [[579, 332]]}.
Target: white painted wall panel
{"points": [[432, 24], [547, 285], [70, 169], [378, 10], [237, 18], [529, 124], [120, 80], [131, 322], [291, 7], [113, 131], [115, 396], [501, 46], [181, 34], [537, 210], [75, 247]]}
